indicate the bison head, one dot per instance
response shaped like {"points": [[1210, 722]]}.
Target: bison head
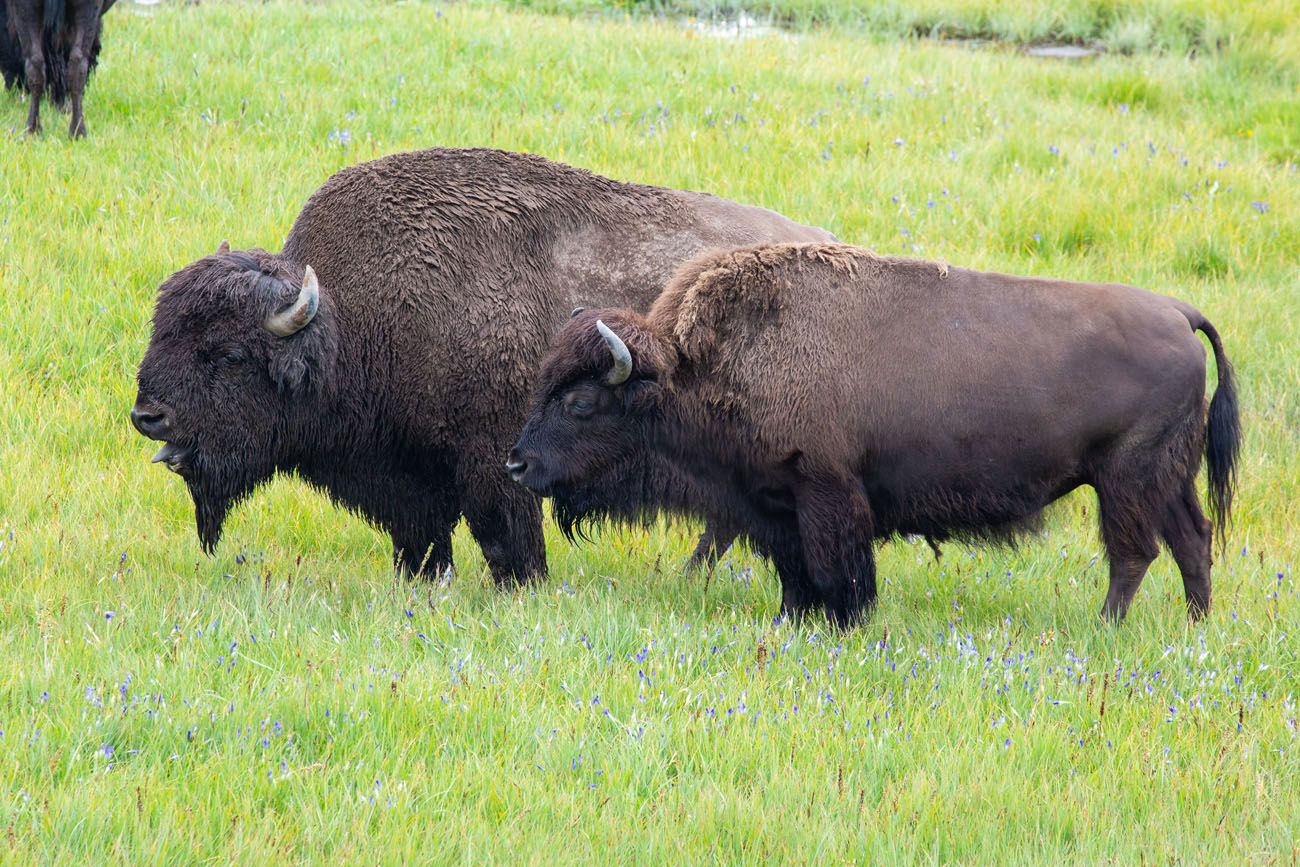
{"points": [[240, 354], [590, 427]]}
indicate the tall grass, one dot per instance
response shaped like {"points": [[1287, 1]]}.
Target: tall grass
{"points": [[288, 699], [1266, 30]]}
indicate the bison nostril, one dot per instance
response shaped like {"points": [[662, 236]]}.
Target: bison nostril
{"points": [[151, 424]]}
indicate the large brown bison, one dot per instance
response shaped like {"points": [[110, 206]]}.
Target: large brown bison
{"points": [[821, 398], [387, 353], [51, 46]]}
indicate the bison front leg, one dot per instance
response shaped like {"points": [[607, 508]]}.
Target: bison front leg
{"points": [[422, 544], [786, 553], [506, 521], [834, 520]]}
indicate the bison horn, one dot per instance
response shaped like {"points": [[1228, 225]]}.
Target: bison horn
{"points": [[622, 368], [223, 248], [295, 317]]}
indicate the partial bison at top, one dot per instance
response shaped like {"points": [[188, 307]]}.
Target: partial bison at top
{"points": [[387, 353], [51, 46], [820, 397]]}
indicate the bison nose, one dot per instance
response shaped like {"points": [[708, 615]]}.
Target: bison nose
{"points": [[152, 424], [516, 465]]}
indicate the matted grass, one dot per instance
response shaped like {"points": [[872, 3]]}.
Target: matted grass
{"points": [[289, 699]]}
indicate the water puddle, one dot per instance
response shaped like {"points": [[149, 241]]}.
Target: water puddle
{"points": [[1050, 50], [141, 7], [1064, 52], [743, 26]]}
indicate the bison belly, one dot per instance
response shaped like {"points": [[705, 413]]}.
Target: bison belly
{"points": [[982, 434]]}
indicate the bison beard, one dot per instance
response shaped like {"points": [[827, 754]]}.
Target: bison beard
{"points": [[759, 420], [217, 487]]}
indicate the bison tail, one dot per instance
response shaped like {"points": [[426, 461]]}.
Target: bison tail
{"points": [[55, 12], [1222, 429], [56, 59]]}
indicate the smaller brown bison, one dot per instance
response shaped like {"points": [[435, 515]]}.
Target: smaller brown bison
{"points": [[51, 46], [821, 398]]}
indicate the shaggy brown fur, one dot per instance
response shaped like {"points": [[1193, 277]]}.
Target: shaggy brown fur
{"points": [[443, 274], [822, 397]]}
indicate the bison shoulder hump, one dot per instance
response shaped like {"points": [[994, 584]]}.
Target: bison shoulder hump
{"points": [[724, 291]]}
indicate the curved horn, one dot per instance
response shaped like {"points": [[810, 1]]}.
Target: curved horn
{"points": [[223, 248], [295, 317], [622, 369]]}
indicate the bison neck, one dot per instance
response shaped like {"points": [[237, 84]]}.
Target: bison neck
{"points": [[697, 467]]}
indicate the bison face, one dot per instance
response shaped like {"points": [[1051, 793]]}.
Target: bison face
{"points": [[237, 358], [589, 427]]}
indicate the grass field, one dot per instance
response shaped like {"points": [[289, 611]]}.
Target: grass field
{"points": [[289, 698]]}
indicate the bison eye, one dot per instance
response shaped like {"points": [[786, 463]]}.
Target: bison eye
{"points": [[228, 357], [580, 407]]}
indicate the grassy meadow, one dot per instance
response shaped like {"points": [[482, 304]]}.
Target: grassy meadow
{"points": [[288, 699]]}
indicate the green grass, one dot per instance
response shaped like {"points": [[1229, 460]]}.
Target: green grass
{"points": [[1264, 29], [289, 698]]}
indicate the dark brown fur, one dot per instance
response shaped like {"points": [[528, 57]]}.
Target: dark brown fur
{"points": [[822, 397], [51, 46], [443, 274]]}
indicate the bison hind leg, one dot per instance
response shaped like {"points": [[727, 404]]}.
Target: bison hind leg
{"points": [[1142, 487], [712, 544], [1128, 529], [1187, 533]]}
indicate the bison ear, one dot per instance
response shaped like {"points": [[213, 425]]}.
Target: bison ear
{"points": [[223, 248], [290, 373]]}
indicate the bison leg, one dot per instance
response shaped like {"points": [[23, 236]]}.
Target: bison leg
{"points": [[84, 27], [418, 512], [834, 520], [712, 544], [30, 43], [1187, 533], [1127, 530], [506, 521], [423, 550], [786, 553]]}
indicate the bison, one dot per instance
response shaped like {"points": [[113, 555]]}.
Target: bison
{"points": [[387, 353], [821, 398], [51, 45]]}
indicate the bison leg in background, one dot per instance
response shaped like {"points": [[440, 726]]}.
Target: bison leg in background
{"points": [[28, 25], [1187, 533], [834, 521], [712, 544], [1127, 530], [422, 549], [505, 519], [82, 29]]}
